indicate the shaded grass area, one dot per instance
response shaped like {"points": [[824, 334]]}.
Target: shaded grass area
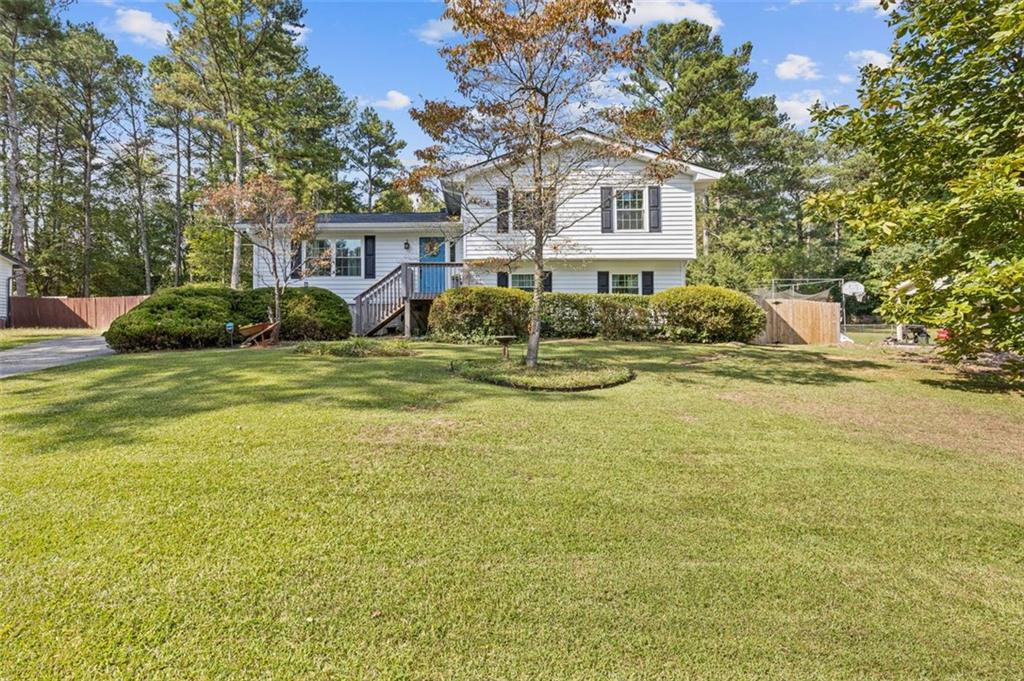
{"points": [[356, 347], [565, 375], [12, 338], [732, 512]]}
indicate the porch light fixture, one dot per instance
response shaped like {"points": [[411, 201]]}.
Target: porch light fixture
{"points": [[406, 244]]}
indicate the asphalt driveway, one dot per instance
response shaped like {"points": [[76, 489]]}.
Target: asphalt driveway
{"points": [[51, 353]]}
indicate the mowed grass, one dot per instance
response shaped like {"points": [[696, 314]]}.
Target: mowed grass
{"points": [[731, 513], [12, 338]]}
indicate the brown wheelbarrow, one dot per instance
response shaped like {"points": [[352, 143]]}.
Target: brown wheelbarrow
{"points": [[261, 334]]}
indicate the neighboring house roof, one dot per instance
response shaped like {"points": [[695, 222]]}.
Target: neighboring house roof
{"points": [[381, 218], [701, 174], [18, 262]]}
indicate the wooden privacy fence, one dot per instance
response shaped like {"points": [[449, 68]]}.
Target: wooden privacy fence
{"points": [[800, 322], [70, 313]]}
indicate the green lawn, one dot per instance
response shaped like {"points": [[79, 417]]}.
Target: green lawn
{"points": [[12, 338], [731, 513]]}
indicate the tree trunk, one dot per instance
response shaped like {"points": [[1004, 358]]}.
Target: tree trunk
{"points": [[87, 218], [14, 169], [177, 198], [236, 245], [140, 198], [533, 340]]}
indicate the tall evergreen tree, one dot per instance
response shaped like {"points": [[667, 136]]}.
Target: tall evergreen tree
{"points": [[234, 52], [26, 26], [373, 155]]}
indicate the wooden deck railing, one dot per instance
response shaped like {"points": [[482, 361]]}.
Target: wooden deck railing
{"points": [[385, 300]]}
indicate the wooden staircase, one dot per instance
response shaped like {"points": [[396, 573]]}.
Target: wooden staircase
{"points": [[394, 293]]}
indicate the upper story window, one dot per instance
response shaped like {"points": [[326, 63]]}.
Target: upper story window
{"points": [[629, 210], [348, 257], [526, 210]]}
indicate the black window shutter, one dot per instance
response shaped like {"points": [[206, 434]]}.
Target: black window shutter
{"points": [[296, 261], [503, 279], [647, 283], [369, 257], [502, 203], [654, 208], [451, 251], [606, 210], [602, 282], [547, 281]]}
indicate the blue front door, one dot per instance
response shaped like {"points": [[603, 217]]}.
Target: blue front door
{"points": [[431, 278]]}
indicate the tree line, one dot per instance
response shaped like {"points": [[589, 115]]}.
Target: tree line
{"points": [[106, 158]]}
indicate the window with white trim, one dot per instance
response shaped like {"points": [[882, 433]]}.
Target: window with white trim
{"points": [[523, 282], [626, 283], [526, 210], [348, 258], [629, 210], [318, 258]]}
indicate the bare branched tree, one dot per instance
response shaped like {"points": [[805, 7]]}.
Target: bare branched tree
{"points": [[264, 213]]}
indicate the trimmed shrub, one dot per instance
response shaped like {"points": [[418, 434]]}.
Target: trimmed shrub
{"points": [[175, 319], [476, 314], [568, 315], [707, 314], [306, 313], [624, 317], [585, 315], [192, 317]]}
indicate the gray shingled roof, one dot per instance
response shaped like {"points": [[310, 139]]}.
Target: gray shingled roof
{"points": [[380, 218]]}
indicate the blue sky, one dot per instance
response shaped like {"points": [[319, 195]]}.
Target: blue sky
{"points": [[385, 51]]}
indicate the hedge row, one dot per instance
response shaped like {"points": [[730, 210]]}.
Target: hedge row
{"points": [[192, 317], [693, 314]]}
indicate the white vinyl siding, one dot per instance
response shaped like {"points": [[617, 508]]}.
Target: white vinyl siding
{"points": [[579, 218], [6, 272], [390, 253]]}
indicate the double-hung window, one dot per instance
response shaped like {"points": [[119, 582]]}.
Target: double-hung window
{"points": [[629, 210], [626, 283], [348, 258], [318, 258], [527, 211]]}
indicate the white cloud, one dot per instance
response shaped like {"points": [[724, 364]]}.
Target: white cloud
{"points": [[657, 11], [798, 106], [299, 33], [844, 78], [435, 31], [393, 100], [866, 6], [142, 26], [797, 67], [864, 57]]}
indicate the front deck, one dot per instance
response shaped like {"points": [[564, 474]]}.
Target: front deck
{"points": [[396, 293]]}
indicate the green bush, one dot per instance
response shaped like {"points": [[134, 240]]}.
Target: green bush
{"points": [[568, 315], [306, 313], [585, 315], [191, 317], [624, 317], [175, 319], [707, 314], [475, 314]]}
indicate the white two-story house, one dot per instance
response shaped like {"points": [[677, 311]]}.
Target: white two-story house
{"points": [[618, 230]]}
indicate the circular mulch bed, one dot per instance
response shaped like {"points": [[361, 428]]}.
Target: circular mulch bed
{"points": [[554, 375]]}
